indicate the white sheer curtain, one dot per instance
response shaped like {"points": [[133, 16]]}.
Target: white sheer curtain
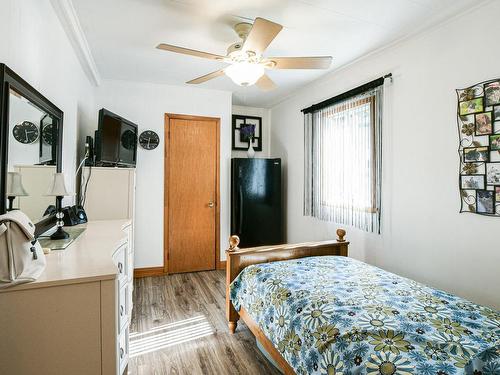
{"points": [[343, 161]]}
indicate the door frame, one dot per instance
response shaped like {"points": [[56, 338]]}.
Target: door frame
{"points": [[166, 181]]}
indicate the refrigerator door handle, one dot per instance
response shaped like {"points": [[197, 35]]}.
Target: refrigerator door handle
{"points": [[240, 219]]}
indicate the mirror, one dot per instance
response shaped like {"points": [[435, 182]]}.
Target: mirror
{"points": [[31, 134], [32, 157]]}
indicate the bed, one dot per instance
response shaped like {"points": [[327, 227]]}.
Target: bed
{"points": [[316, 311]]}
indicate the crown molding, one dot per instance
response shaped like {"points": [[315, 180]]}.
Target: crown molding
{"points": [[69, 20]]}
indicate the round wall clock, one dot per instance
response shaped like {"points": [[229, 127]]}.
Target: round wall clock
{"points": [[48, 134], [149, 140], [25, 132]]}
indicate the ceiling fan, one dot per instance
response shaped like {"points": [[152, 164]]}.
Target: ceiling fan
{"points": [[247, 65]]}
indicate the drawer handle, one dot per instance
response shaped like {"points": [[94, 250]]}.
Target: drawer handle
{"points": [[120, 267], [122, 352], [121, 310]]}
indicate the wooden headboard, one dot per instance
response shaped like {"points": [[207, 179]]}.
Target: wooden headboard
{"points": [[237, 259]]}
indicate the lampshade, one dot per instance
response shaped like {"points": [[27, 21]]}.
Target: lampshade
{"points": [[244, 73], [58, 187], [15, 186]]}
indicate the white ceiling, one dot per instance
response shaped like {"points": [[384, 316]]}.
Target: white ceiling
{"points": [[122, 35]]}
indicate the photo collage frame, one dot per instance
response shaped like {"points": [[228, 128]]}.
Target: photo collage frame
{"points": [[478, 119]]}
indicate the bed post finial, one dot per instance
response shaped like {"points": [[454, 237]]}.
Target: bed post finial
{"points": [[340, 235], [232, 263], [234, 241]]}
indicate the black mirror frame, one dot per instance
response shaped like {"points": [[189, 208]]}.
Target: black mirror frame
{"points": [[10, 80]]}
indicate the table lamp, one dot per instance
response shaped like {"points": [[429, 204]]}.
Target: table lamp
{"points": [[15, 188], [58, 189]]}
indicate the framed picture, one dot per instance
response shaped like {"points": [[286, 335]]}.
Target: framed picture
{"points": [[472, 182], [497, 194], [496, 113], [493, 173], [492, 93], [470, 92], [484, 123], [485, 201], [495, 142], [243, 126], [471, 106], [476, 154]]}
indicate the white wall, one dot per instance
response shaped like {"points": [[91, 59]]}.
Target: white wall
{"points": [[424, 237], [266, 130], [146, 105], [35, 46]]}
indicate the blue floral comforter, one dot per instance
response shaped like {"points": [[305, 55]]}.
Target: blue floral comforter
{"points": [[335, 315]]}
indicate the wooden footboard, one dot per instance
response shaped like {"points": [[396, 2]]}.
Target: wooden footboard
{"points": [[237, 259]]}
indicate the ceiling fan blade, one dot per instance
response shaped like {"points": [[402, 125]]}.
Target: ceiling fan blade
{"points": [[261, 35], [187, 51], [318, 62], [206, 77], [265, 83]]}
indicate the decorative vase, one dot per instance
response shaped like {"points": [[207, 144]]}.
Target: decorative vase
{"points": [[250, 151]]}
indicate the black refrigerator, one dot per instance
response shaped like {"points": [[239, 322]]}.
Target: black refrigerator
{"points": [[256, 201]]}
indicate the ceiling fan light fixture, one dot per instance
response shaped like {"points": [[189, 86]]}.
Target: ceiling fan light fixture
{"points": [[244, 73], [247, 63]]}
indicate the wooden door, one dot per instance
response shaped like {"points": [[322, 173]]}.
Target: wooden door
{"points": [[191, 193]]}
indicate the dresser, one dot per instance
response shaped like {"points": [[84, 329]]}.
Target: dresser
{"points": [[75, 318]]}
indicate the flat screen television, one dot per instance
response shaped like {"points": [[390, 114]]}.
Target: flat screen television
{"points": [[116, 140]]}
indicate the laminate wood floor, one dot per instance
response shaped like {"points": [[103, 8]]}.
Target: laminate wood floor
{"points": [[179, 327]]}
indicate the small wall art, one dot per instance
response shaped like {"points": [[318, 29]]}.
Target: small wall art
{"points": [[478, 119], [247, 129]]}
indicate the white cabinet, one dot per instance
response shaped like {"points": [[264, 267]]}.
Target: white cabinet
{"points": [[110, 195], [74, 319]]}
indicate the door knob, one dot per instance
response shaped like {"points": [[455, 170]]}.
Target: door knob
{"points": [[210, 204]]}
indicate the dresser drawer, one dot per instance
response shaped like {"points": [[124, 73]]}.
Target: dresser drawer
{"points": [[120, 259], [123, 351], [123, 308]]}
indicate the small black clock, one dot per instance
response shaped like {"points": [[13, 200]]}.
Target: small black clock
{"points": [[25, 132], [149, 140], [48, 134]]}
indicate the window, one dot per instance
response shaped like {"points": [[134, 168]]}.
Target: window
{"points": [[343, 161]]}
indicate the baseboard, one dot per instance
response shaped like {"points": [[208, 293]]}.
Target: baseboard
{"points": [[159, 271], [148, 271]]}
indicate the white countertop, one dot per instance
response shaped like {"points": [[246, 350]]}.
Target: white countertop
{"points": [[88, 258]]}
